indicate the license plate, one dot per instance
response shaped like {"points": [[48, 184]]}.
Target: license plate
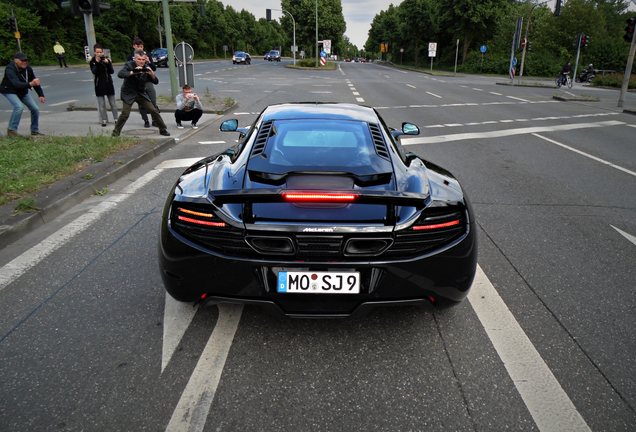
{"points": [[307, 282]]}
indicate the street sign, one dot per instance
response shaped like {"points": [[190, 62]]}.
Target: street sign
{"points": [[87, 53], [483, 48], [432, 49], [326, 46], [323, 54], [184, 52], [323, 61]]}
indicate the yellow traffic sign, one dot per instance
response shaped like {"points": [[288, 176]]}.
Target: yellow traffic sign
{"points": [[16, 34]]}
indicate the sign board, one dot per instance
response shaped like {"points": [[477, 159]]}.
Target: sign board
{"points": [[432, 49], [323, 61], [225, 48], [326, 46], [294, 48], [323, 54], [483, 48], [184, 52], [189, 75], [87, 53]]}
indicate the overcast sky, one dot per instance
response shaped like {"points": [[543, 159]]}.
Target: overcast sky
{"points": [[357, 13]]}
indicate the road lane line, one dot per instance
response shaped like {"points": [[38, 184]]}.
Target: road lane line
{"points": [[587, 155], [433, 94], [33, 256], [212, 142], [412, 86], [495, 93], [506, 132], [64, 102], [519, 99], [194, 405], [177, 163], [549, 405], [629, 237], [177, 317], [359, 99]]}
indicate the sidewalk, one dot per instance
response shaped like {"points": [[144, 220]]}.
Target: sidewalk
{"points": [[60, 196]]}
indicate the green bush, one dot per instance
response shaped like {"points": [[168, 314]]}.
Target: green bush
{"points": [[613, 80]]}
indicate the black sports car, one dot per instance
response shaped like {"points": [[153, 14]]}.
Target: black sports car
{"points": [[317, 211]]}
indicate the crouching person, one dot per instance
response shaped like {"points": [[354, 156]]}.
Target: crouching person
{"points": [[188, 107]]}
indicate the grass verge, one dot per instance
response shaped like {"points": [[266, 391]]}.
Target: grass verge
{"points": [[29, 165]]}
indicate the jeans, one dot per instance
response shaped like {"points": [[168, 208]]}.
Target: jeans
{"points": [[18, 107], [125, 113], [101, 108], [150, 89]]}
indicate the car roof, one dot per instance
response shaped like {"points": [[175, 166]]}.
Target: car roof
{"points": [[319, 110]]}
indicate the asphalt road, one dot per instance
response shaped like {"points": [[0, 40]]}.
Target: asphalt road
{"points": [[89, 341]]}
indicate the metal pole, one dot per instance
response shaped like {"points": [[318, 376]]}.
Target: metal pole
{"points": [[294, 26], [456, 53], [168, 27], [90, 30], [316, 33], [628, 71], [578, 52]]}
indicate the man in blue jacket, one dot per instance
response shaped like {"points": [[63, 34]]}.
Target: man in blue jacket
{"points": [[18, 80], [136, 74]]}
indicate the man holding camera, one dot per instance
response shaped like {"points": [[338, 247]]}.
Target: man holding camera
{"points": [[188, 107], [138, 45], [136, 74]]}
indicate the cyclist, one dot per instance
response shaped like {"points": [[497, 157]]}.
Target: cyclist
{"points": [[565, 71]]}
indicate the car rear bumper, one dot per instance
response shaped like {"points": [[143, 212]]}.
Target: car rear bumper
{"points": [[190, 273]]}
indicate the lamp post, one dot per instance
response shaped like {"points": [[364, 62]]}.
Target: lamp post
{"points": [[294, 26], [525, 45]]}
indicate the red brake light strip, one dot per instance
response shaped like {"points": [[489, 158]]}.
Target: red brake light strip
{"points": [[319, 197], [195, 213], [437, 226]]}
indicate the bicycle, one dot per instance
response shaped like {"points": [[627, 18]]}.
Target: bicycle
{"points": [[568, 81]]}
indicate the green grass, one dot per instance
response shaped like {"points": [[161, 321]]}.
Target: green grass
{"points": [[613, 80], [29, 165]]}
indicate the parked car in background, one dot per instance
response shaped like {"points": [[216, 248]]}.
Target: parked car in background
{"points": [[274, 55], [241, 57], [159, 57]]}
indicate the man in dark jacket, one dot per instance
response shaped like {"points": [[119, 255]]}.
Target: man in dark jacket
{"points": [[136, 74], [18, 80], [138, 45], [102, 69]]}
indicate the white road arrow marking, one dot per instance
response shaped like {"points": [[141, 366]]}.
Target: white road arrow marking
{"points": [[177, 317], [629, 237]]}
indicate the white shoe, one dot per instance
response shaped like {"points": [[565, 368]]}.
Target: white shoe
{"points": [[194, 126], [179, 126]]}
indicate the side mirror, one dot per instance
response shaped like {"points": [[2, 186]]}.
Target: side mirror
{"points": [[229, 125], [410, 129]]}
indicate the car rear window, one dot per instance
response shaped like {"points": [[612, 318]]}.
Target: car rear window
{"points": [[320, 143]]}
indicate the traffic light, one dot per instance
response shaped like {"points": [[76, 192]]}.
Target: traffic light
{"points": [[268, 14], [13, 25], [583, 40], [629, 30], [88, 6], [587, 40]]}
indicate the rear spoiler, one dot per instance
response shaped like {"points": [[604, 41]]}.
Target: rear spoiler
{"points": [[389, 198]]}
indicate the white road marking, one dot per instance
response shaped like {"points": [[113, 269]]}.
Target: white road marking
{"points": [[195, 402], [352, 89], [477, 89], [177, 163], [359, 99], [587, 155], [412, 86], [320, 92], [177, 316], [453, 124], [629, 237], [519, 99], [22, 263], [495, 93], [549, 405], [433, 94], [211, 142], [321, 85], [65, 102], [355, 93], [506, 132]]}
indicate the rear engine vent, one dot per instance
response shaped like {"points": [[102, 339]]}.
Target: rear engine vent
{"points": [[378, 141], [366, 246], [272, 245], [261, 138]]}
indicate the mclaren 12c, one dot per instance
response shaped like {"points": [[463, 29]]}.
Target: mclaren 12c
{"points": [[318, 211]]}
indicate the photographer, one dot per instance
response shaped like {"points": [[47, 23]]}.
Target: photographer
{"points": [[136, 74], [102, 69], [188, 107], [138, 45]]}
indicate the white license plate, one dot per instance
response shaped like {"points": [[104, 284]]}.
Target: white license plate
{"points": [[307, 282]]}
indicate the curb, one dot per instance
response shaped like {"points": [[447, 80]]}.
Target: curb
{"points": [[61, 195]]}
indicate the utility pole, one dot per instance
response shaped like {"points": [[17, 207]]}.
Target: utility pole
{"points": [[628, 70], [317, 34]]}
